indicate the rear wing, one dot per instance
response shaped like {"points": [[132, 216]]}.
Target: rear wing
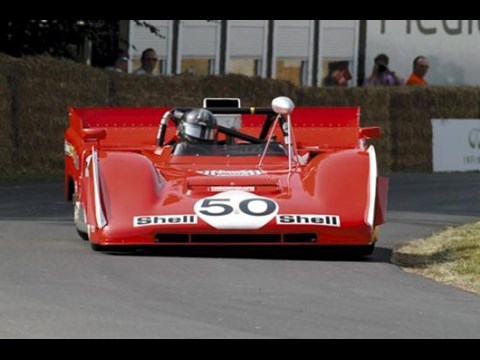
{"points": [[326, 127], [124, 127], [334, 128], [323, 127]]}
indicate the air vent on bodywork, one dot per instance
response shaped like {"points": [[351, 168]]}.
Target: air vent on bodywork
{"points": [[244, 239], [172, 239], [236, 239], [300, 238]]}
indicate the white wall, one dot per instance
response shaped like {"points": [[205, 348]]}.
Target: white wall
{"points": [[247, 38], [339, 38], [452, 46], [456, 145], [200, 38], [141, 38], [293, 38]]}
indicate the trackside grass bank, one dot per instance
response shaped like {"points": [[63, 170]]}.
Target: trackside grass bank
{"points": [[451, 257]]}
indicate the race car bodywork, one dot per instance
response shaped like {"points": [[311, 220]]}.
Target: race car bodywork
{"points": [[289, 177]]}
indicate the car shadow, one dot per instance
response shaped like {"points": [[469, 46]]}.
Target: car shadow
{"points": [[336, 254]]}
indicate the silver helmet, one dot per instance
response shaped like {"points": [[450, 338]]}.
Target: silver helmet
{"points": [[198, 125]]}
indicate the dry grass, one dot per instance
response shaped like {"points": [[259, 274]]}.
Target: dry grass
{"points": [[451, 257]]}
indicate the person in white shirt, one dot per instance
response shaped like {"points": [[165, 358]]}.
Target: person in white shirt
{"points": [[120, 64], [149, 63]]}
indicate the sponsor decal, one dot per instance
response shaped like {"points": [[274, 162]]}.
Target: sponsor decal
{"points": [[318, 220], [142, 221], [227, 173], [232, 188], [236, 210], [70, 152], [474, 139], [69, 149]]}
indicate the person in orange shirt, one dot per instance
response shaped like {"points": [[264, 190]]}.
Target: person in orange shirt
{"points": [[420, 70]]}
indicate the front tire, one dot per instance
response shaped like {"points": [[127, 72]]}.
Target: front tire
{"points": [[363, 251], [83, 235], [96, 247]]}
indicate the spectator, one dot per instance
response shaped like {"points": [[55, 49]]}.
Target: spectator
{"points": [[120, 63], [420, 70], [149, 63], [382, 75], [338, 74]]}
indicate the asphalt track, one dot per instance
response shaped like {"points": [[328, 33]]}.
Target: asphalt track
{"points": [[52, 285]]}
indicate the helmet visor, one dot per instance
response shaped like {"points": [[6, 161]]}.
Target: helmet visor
{"points": [[200, 132]]}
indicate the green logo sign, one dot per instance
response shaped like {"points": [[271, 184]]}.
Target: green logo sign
{"points": [[474, 139]]}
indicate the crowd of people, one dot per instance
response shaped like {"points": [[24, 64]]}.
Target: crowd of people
{"points": [[149, 63], [338, 75], [383, 76]]}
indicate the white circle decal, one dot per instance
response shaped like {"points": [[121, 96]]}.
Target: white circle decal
{"points": [[236, 210]]}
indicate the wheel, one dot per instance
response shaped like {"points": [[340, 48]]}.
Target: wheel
{"points": [[362, 251], [83, 236], [96, 247], [80, 222]]}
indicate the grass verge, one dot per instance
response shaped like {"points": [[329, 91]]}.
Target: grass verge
{"points": [[451, 257]]}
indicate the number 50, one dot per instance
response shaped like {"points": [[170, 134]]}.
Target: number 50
{"points": [[251, 207]]}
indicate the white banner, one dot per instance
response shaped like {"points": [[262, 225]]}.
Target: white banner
{"points": [[451, 46], [456, 145]]}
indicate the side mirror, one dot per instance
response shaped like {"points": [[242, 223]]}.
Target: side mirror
{"points": [[94, 134], [283, 105], [371, 133]]}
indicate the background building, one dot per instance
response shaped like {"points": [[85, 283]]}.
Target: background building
{"points": [[301, 51], [452, 47], [311, 52]]}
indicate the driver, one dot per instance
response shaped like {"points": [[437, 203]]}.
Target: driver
{"points": [[198, 126], [196, 129]]}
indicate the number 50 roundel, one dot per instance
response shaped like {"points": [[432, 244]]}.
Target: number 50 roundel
{"points": [[236, 210]]}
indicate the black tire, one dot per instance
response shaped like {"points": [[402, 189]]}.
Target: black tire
{"points": [[83, 236], [363, 251], [96, 247]]}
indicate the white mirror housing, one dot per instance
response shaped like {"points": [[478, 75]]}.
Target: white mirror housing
{"points": [[283, 105]]}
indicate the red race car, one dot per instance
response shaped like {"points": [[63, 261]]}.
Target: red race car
{"points": [[223, 175]]}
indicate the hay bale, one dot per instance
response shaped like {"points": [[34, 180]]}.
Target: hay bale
{"points": [[253, 91], [7, 65], [43, 88], [411, 111], [145, 91], [189, 91], [6, 139]]}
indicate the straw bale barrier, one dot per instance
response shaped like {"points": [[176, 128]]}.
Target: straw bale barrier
{"points": [[35, 93], [43, 88], [375, 110], [411, 111], [6, 134]]}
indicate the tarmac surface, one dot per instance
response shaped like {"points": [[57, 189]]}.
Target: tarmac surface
{"points": [[52, 285]]}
